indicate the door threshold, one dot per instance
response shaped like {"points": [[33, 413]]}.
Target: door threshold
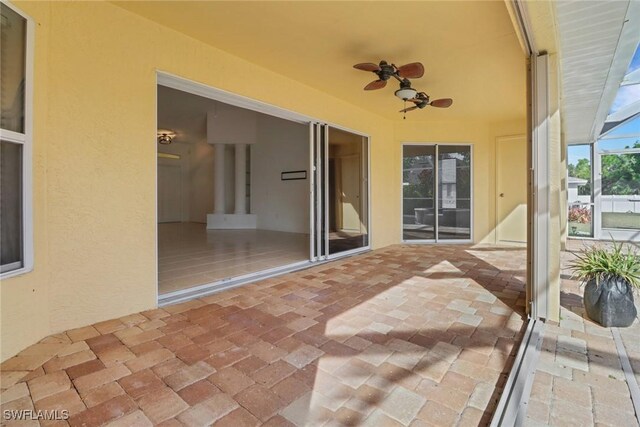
{"points": [[199, 291]]}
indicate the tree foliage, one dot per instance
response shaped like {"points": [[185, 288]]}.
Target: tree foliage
{"points": [[620, 173]]}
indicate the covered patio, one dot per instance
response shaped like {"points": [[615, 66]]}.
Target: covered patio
{"points": [[399, 334]]}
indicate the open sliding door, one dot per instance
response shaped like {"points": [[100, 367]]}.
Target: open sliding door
{"points": [[339, 192]]}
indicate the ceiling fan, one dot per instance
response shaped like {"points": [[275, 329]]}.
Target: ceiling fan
{"points": [[414, 70]]}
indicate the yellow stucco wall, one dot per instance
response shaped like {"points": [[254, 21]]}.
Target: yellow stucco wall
{"points": [[95, 159]]}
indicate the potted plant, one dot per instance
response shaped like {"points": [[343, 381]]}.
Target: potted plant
{"points": [[610, 277]]}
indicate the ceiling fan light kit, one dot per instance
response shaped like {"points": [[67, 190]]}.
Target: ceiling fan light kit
{"points": [[414, 70], [165, 137]]}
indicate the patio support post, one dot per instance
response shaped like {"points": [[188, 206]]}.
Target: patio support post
{"points": [[218, 184], [241, 179]]}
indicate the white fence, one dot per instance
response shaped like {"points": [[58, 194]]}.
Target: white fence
{"points": [[612, 203]]}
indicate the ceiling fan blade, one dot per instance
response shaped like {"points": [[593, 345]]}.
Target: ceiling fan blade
{"points": [[376, 84], [415, 70], [441, 103], [367, 66], [408, 109]]}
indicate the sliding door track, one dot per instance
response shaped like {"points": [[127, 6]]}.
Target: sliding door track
{"points": [[233, 282], [513, 403]]}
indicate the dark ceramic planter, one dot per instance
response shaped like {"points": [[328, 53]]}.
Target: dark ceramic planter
{"points": [[610, 303]]}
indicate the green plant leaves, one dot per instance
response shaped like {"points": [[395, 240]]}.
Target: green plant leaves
{"points": [[600, 264]]}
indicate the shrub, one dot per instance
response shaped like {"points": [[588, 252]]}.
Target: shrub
{"points": [[580, 215]]}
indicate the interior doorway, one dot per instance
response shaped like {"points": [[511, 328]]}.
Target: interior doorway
{"points": [[245, 191], [225, 207]]}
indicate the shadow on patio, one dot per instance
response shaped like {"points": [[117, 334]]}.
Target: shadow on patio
{"points": [[396, 335]]}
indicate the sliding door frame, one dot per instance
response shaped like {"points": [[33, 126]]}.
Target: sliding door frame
{"points": [[319, 131], [173, 81], [436, 199]]}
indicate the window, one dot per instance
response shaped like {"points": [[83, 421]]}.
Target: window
{"points": [[16, 248]]}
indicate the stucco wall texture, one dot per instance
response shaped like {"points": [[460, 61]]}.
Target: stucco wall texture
{"points": [[95, 160]]}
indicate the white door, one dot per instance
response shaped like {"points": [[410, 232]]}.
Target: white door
{"points": [[511, 190], [169, 191]]}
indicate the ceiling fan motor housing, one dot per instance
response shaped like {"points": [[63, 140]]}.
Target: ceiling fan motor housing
{"points": [[386, 71]]}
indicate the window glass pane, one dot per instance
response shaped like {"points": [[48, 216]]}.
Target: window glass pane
{"points": [[620, 201], [580, 219], [347, 182], [454, 182], [12, 69], [11, 239], [418, 192]]}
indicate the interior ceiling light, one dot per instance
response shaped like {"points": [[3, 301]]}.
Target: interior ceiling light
{"points": [[165, 137], [414, 70]]}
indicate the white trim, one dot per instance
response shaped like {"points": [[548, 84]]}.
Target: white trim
{"points": [[312, 183], [436, 196], [325, 192], [26, 140], [196, 88], [620, 151], [541, 183]]}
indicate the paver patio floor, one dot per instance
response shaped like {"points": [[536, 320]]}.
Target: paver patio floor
{"points": [[405, 335], [579, 379]]}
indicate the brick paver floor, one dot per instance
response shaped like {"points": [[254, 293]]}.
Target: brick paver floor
{"points": [[406, 335], [579, 380]]}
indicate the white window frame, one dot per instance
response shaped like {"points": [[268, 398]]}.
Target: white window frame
{"points": [[25, 140]]}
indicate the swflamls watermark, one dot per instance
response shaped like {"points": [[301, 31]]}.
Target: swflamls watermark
{"points": [[31, 414]]}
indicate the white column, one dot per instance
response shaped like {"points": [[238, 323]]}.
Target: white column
{"points": [[218, 184], [241, 179]]}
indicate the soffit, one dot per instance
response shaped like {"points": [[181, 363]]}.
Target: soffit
{"points": [[470, 50], [597, 41]]}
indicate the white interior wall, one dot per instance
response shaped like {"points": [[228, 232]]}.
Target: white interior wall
{"points": [[182, 150], [201, 181], [281, 146], [196, 160]]}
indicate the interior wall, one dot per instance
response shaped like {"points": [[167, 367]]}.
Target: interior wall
{"points": [[201, 185], [281, 146], [183, 150], [196, 159]]}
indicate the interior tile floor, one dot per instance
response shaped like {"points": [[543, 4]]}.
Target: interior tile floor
{"points": [[190, 255], [405, 335]]}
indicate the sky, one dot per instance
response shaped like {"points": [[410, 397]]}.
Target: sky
{"points": [[625, 96]]}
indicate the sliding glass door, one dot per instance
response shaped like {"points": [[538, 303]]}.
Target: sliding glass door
{"points": [[340, 188], [436, 206]]}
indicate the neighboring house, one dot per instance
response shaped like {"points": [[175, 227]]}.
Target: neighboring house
{"points": [[80, 167], [573, 184]]}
